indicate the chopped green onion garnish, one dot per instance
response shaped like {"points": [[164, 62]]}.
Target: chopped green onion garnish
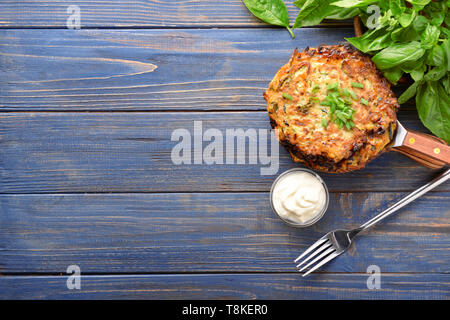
{"points": [[348, 102], [364, 101], [315, 88], [333, 86], [341, 112], [346, 115], [357, 85], [341, 116], [287, 96]]}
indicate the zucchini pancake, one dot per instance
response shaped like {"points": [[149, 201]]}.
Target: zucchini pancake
{"points": [[331, 108]]}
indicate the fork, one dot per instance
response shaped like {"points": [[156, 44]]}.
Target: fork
{"points": [[336, 242]]}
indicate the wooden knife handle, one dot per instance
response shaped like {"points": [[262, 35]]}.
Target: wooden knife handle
{"points": [[425, 149]]}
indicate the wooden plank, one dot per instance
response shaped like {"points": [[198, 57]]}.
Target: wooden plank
{"points": [[120, 13], [131, 152], [230, 286], [222, 232], [146, 69]]}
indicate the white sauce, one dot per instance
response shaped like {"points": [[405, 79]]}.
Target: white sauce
{"points": [[298, 196]]}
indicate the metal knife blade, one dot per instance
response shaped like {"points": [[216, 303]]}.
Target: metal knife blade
{"points": [[399, 135]]}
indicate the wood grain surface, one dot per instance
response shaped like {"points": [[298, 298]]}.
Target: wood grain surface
{"points": [[145, 69], [230, 286], [86, 178], [135, 14], [131, 152], [211, 232]]}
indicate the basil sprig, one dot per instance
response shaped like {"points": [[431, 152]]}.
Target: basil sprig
{"points": [[409, 37], [270, 11]]}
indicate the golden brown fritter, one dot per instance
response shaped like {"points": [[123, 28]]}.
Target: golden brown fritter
{"points": [[295, 104]]}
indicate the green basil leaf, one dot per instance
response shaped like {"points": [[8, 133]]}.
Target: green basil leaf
{"points": [[417, 74], [432, 101], [419, 2], [313, 12], [396, 54], [405, 19], [324, 10], [404, 34], [353, 3], [412, 32], [445, 31], [418, 64], [373, 40], [447, 16], [446, 82], [270, 11], [366, 45], [299, 3], [435, 74], [420, 23], [446, 47], [430, 36], [409, 93], [393, 75], [342, 13], [397, 7], [359, 43], [417, 7], [436, 56], [436, 12]]}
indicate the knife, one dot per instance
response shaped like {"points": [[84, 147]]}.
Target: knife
{"points": [[426, 149]]}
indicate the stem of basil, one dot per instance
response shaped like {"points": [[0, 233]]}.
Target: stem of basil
{"points": [[290, 31]]}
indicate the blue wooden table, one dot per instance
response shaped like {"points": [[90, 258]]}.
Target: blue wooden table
{"points": [[86, 177]]}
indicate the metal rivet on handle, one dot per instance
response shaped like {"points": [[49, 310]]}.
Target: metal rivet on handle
{"points": [[412, 140], [437, 150]]}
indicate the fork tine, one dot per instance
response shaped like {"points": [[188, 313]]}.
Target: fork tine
{"points": [[320, 249], [330, 257], [318, 242], [323, 254]]}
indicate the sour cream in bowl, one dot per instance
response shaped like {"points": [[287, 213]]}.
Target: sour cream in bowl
{"points": [[299, 197]]}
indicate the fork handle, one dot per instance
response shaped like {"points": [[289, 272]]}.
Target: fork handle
{"points": [[444, 176]]}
